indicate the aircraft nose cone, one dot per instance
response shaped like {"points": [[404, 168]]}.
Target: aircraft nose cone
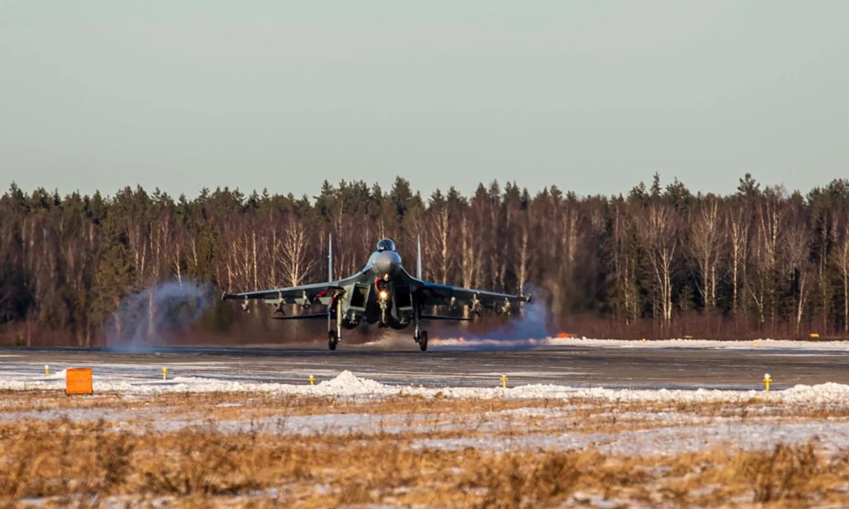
{"points": [[387, 262]]}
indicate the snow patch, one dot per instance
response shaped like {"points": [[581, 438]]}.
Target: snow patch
{"points": [[346, 381], [59, 375]]}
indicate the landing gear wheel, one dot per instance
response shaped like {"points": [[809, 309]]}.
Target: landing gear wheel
{"points": [[423, 340], [333, 339]]}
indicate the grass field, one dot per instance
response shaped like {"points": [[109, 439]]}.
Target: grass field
{"points": [[233, 449]]}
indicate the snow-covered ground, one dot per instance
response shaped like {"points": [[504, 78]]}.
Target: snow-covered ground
{"points": [[348, 385], [534, 425], [671, 440]]}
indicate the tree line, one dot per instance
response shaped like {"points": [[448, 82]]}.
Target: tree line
{"points": [[660, 261]]}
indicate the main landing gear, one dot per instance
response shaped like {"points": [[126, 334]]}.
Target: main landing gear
{"points": [[421, 339], [334, 334], [418, 334]]}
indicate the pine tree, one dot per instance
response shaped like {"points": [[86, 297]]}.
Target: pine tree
{"points": [[113, 280]]}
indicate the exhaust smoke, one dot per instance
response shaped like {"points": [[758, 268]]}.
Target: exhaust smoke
{"points": [[530, 329], [147, 318]]}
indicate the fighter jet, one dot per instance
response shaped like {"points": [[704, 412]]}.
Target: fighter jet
{"points": [[383, 292]]}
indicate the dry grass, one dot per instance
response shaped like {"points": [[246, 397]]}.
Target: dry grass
{"points": [[61, 462], [82, 464]]}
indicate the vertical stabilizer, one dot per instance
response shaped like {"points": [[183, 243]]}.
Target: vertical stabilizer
{"points": [[419, 258], [330, 257]]}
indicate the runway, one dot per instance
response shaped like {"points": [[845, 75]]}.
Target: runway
{"points": [[572, 365]]}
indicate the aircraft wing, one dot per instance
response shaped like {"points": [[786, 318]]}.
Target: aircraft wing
{"points": [[290, 295], [436, 294], [303, 294]]}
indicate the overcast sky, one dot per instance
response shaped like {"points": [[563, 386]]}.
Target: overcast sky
{"points": [[592, 96]]}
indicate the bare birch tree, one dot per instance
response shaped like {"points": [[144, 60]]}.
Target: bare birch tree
{"points": [[769, 218], [660, 228], [738, 224], [438, 236], [841, 262], [292, 251], [705, 242], [798, 247], [522, 236], [470, 256], [567, 226]]}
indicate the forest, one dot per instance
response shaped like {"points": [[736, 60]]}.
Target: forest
{"points": [[659, 262]]}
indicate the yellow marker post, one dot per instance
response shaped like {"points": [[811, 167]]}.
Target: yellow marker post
{"points": [[46, 370], [164, 373], [504, 381], [644, 341], [312, 380], [755, 343], [767, 380]]}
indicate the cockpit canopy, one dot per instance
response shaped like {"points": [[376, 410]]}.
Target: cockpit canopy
{"points": [[385, 245]]}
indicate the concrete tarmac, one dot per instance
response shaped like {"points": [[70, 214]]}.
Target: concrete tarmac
{"points": [[643, 368]]}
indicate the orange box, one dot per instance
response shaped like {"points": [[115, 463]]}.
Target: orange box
{"points": [[78, 381]]}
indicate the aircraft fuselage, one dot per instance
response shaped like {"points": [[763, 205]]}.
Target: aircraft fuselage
{"points": [[384, 297]]}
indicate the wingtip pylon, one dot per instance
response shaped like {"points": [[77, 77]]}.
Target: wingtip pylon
{"points": [[330, 257], [419, 257]]}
